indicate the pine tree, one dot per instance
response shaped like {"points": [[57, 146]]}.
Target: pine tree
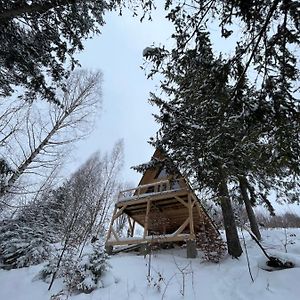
{"points": [[28, 239], [199, 127], [80, 274], [39, 37]]}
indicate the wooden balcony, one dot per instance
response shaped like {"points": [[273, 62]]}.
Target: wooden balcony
{"points": [[165, 209], [153, 190]]}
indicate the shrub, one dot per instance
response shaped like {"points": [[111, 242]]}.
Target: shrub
{"points": [[80, 275]]}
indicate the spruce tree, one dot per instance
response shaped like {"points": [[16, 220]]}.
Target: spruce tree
{"points": [[200, 129], [28, 238]]}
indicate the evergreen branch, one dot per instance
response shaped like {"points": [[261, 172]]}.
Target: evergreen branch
{"points": [[40, 8]]}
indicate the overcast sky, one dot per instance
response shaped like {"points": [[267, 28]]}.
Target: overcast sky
{"points": [[126, 112]]}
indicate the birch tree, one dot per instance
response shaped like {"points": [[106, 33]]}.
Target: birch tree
{"points": [[92, 190], [48, 131], [87, 199]]}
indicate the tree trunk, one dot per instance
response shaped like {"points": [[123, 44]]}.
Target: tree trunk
{"points": [[24, 165], [233, 242], [249, 208]]}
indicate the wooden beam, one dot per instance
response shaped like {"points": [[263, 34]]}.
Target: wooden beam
{"points": [[181, 201], [135, 219], [166, 201], [115, 234], [137, 191], [195, 200], [118, 214], [199, 212], [152, 239], [131, 226], [181, 228]]}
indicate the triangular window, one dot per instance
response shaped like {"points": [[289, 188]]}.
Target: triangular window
{"points": [[162, 173]]}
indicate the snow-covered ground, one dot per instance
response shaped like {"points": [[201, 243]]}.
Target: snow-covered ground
{"points": [[175, 277]]}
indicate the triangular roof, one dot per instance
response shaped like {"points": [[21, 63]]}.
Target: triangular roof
{"points": [[159, 168]]}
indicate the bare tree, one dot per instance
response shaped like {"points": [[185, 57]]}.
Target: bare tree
{"points": [[87, 198], [38, 146], [9, 120], [96, 184]]}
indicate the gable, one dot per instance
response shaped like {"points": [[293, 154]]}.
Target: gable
{"points": [[158, 172]]}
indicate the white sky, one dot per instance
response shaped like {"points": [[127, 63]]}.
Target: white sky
{"points": [[126, 112]]}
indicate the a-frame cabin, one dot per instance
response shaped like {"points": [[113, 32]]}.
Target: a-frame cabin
{"points": [[165, 206]]}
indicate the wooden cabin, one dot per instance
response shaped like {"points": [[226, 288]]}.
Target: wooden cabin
{"points": [[165, 206]]}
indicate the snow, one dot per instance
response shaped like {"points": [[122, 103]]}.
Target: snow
{"points": [[173, 275], [148, 51], [135, 197]]}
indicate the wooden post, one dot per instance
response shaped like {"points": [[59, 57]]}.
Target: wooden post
{"points": [[111, 224], [146, 218], [191, 249], [168, 185], [138, 191], [114, 234], [133, 226], [129, 231]]}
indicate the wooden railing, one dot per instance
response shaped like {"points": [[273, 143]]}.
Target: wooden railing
{"points": [[152, 188]]}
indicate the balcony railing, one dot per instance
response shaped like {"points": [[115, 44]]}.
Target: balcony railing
{"points": [[152, 189]]}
